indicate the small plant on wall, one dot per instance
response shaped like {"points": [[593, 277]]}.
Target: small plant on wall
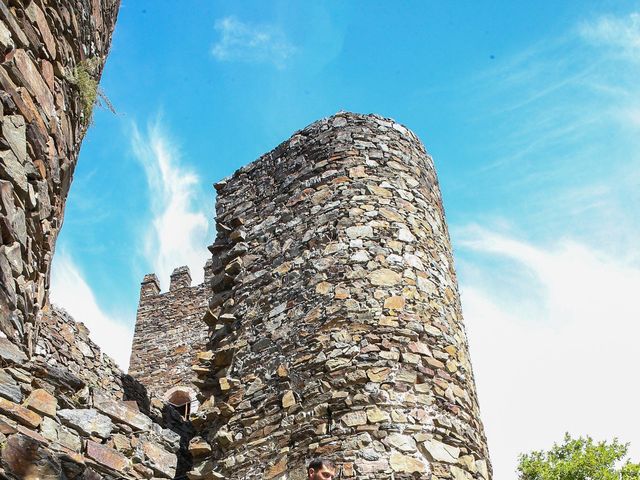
{"points": [[84, 77]]}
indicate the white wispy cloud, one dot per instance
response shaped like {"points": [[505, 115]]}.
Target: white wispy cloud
{"points": [[178, 231], [555, 353], [563, 143], [70, 290], [562, 90], [552, 321], [253, 43], [622, 33]]}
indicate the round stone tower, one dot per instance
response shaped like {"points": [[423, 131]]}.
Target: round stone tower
{"points": [[335, 323]]}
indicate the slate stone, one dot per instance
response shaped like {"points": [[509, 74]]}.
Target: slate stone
{"points": [[59, 376], [13, 254], [42, 402], [25, 457], [35, 82], [403, 443], [87, 421], [406, 464], [384, 277], [441, 452], [460, 474], [170, 439], [107, 457], [199, 447], [160, 460], [120, 412], [14, 133], [19, 413], [11, 169], [9, 389], [6, 43], [355, 418]]}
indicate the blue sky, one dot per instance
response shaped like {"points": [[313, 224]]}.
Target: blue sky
{"points": [[532, 114]]}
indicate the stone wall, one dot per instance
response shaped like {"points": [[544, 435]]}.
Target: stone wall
{"points": [[63, 343], [51, 53], [66, 410], [169, 332], [70, 413], [335, 321]]}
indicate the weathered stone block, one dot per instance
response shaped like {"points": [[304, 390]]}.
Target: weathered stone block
{"points": [[9, 389], [160, 460], [22, 415], [87, 421], [107, 457], [120, 412], [42, 402], [26, 458]]}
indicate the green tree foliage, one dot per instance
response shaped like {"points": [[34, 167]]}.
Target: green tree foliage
{"points": [[579, 459]]}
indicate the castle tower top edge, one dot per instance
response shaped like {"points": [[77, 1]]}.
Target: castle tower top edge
{"points": [[328, 124], [180, 278]]}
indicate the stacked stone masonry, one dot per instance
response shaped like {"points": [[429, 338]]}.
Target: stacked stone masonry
{"points": [[335, 326], [66, 410], [334, 322], [70, 413], [169, 332], [45, 46]]}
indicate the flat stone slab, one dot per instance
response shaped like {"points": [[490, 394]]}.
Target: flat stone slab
{"points": [[9, 389], [19, 413], [11, 353], [42, 402], [106, 456], [160, 460], [87, 421], [120, 412]]}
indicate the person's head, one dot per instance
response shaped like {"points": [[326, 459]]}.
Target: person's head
{"points": [[321, 469]]}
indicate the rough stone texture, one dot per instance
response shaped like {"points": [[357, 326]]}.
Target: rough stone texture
{"points": [[42, 122], [169, 332], [70, 410], [63, 343], [335, 320], [66, 410]]}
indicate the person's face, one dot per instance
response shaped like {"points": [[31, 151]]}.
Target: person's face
{"points": [[323, 474]]}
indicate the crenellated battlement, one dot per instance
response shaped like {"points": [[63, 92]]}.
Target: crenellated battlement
{"points": [[180, 278], [169, 331], [150, 286]]}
